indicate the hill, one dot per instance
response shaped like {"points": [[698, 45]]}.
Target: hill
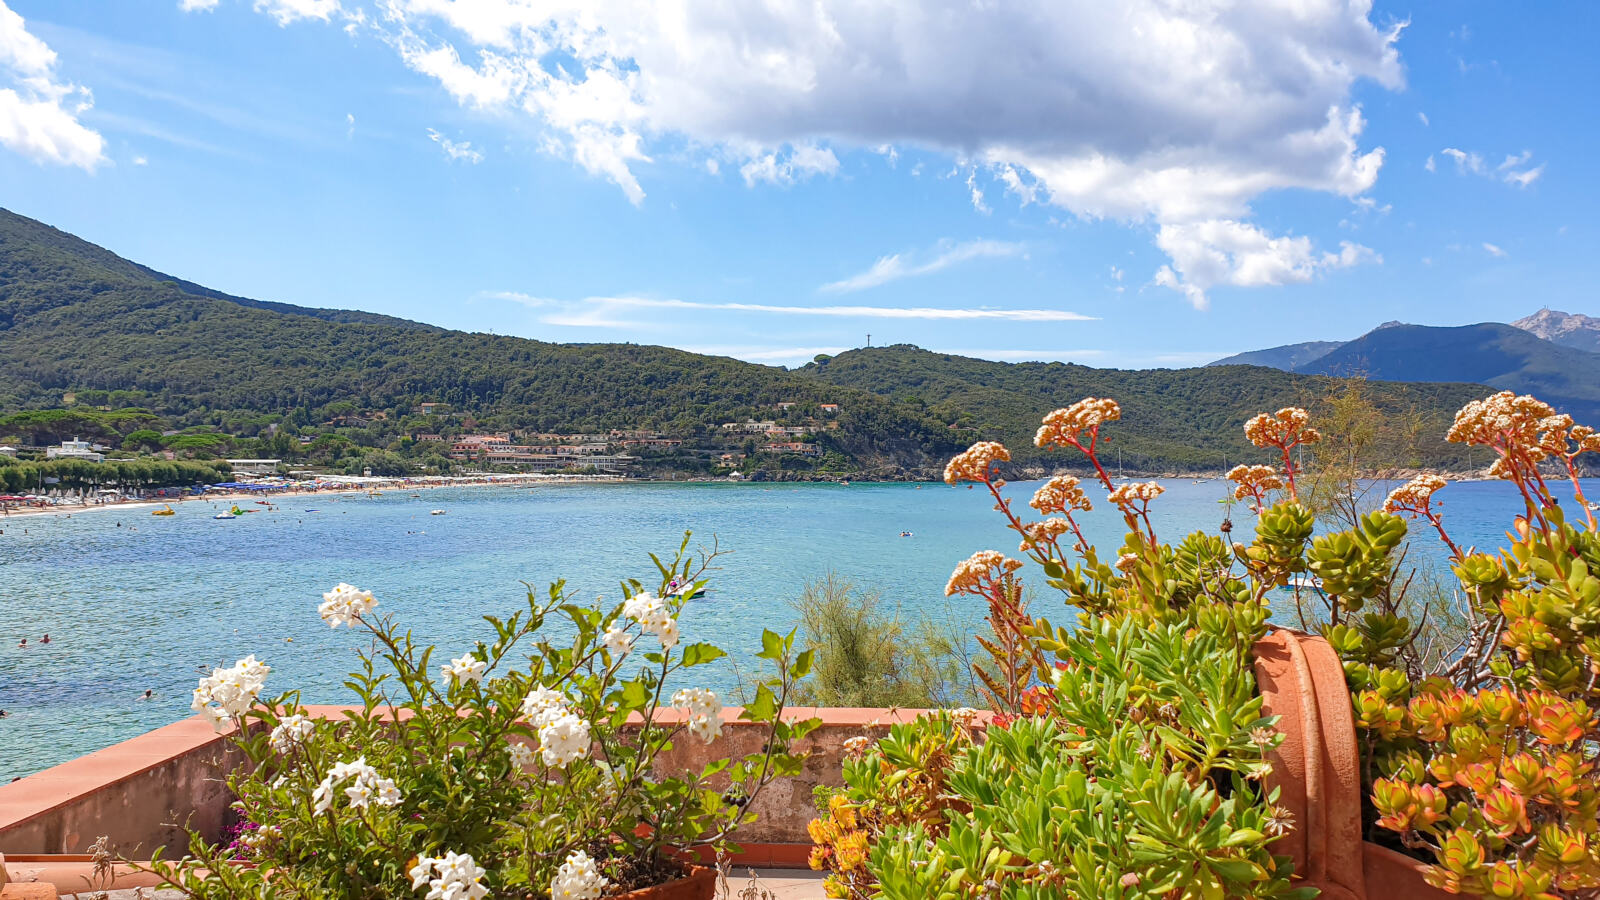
{"points": [[1180, 419], [1576, 331], [1501, 356], [76, 318], [1289, 357]]}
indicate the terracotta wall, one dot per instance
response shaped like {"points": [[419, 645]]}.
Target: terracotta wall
{"points": [[139, 792]]}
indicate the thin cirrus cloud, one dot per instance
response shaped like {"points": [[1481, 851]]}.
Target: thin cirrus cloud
{"points": [[1514, 169], [604, 312], [1143, 112], [898, 266]]}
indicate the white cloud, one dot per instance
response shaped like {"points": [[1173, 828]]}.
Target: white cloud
{"points": [[460, 151], [1429, 165], [1222, 251], [977, 195], [1423, 117], [1493, 250], [140, 161], [1145, 112], [1513, 169], [897, 266], [197, 5], [350, 126], [290, 11], [604, 312], [39, 113]]}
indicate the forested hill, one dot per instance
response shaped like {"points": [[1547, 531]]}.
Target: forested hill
{"points": [[76, 317], [1171, 418]]}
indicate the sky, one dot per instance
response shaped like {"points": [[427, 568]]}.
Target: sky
{"points": [[1148, 183]]}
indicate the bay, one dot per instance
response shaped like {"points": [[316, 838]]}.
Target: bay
{"points": [[134, 602]]}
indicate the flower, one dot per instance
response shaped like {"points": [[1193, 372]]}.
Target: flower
{"points": [[366, 787], [564, 739], [1035, 533], [1253, 481], [1414, 495], [1065, 427], [704, 709], [618, 642], [1126, 494], [1283, 429], [970, 576], [345, 604], [653, 617], [463, 668], [521, 755], [856, 747], [290, 732], [455, 876], [1058, 495], [543, 706], [233, 690], [964, 716], [974, 463], [1504, 420], [577, 879]]}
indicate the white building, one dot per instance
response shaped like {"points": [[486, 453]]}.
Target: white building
{"points": [[254, 466], [74, 449], [8, 451]]}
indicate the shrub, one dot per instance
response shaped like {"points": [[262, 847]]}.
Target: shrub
{"points": [[518, 770]]}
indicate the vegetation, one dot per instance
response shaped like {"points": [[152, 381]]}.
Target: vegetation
{"points": [[124, 474], [1179, 420], [511, 770]]}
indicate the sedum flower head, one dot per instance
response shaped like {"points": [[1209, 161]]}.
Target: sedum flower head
{"points": [[1065, 427], [1284, 428], [453, 876], [227, 694], [1504, 420], [1060, 494], [983, 566], [577, 879], [1253, 481], [975, 462], [345, 604], [1126, 495], [1414, 495], [463, 669], [704, 709]]}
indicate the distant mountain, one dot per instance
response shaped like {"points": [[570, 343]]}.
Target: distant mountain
{"points": [[1491, 354], [1171, 418], [1289, 357], [1576, 331]]}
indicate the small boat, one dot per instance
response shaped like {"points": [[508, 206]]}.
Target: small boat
{"points": [[312, 509], [416, 496], [165, 510], [681, 593], [226, 515], [906, 534], [436, 512], [263, 502]]}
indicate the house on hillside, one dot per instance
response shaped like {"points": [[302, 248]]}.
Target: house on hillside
{"points": [[829, 407], [74, 449]]}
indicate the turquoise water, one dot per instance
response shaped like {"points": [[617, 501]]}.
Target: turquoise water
{"points": [[144, 604]]}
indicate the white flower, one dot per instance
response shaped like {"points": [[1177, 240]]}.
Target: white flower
{"points": [[653, 617], [705, 712], [577, 879], [291, 732], [668, 632], [365, 787], [564, 739], [345, 604], [619, 642], [521, 755], [455, 876], [233, 690], [463, 668], [543, 706]]}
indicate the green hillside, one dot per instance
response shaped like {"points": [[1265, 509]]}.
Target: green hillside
{"points": [[1172, 418]]}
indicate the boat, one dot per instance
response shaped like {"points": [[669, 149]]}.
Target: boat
{"points": [[226, 515], [165, 510], [436, 512], [312, 509], [263, 502], [681, 593]]}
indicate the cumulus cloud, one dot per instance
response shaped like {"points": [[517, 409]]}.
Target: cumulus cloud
{"points": [[898, 266], [1220, 252], [38, 111], [1145, 111], [460, 151]]}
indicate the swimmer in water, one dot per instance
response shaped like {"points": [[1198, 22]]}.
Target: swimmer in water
{"points": [[23, 643], [148, 694], [45, 639]]}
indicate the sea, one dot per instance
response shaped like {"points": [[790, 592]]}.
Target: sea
{"points": [[135, 602]]}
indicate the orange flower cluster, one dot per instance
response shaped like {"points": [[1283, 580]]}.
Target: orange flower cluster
{"points": [[1066, 427], [1045, 532], [1284, 429], [840, 847], [1254, 482], [1413, 496], [979, 571], [1141, 492], [1502, 421], [1059, 495], [976, 462]]}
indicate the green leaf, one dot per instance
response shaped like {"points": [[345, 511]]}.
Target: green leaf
{"points": [[771, 645], [698, 654]]}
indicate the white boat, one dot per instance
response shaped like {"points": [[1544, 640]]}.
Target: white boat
{"points": [[226, 515], [436, 512]]}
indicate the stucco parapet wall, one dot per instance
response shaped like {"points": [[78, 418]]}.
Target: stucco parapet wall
{"points": [[140, 792]]}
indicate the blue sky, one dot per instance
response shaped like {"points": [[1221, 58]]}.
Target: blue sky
{"points": [[1132, 185]]}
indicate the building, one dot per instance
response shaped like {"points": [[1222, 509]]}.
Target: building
{"points": [[255, 466], [8, 451], [74, 449], [795, 447], [432, 407], [428, 438], [652, 443], [829, 407]]}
